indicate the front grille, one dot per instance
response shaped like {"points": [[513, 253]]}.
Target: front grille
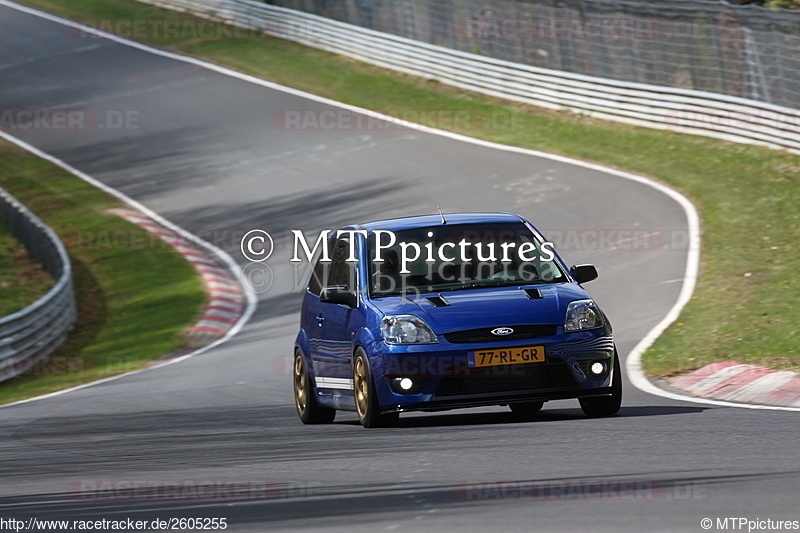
{"points": [[506, 378], [530, 331]]}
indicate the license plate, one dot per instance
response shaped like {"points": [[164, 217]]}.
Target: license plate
{"points": [[506, 356]]}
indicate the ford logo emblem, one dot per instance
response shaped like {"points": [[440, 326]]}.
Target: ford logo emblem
{"points": [[502, 331]]}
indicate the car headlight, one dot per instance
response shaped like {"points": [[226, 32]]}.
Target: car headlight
{"points": [[582, 315], [406, 329]]}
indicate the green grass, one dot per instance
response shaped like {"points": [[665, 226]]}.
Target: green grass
{"points": [[744, 305], [133, 302], [22, 280]]}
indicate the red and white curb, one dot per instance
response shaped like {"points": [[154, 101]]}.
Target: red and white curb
{"points": [[737, 382], [226, 299]]}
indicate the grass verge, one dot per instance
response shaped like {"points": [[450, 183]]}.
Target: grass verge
{"points": [[133, 302], [747, 196], [22, 280]]}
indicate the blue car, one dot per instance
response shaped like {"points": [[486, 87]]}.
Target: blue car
{"points": [[437, 312]]}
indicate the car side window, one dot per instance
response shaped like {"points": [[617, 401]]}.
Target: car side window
{"points": [[317, 277], [342, 271], [321, 272]]}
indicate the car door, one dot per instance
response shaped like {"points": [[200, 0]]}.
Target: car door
{"points": [[336, 344], [311, 317]]}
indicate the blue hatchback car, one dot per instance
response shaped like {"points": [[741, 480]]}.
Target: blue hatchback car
{"points": [[437, 312]]}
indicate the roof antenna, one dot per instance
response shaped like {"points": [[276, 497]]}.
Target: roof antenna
{"points": [[441, 215]]}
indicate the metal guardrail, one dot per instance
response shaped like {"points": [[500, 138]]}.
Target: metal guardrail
{"points": [[29, 336], [683, 110], [746, 51]]}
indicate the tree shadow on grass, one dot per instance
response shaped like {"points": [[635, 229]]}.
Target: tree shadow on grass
{"points": [[68, 360]]}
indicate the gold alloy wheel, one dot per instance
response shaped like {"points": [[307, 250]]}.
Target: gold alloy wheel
{"points": [[300, 384], [361, 387]]}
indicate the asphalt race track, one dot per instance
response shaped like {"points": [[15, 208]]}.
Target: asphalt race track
{"points": [[206, 151]]}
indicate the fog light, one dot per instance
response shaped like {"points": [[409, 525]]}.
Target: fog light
{"points": [[597, 368], [407, 385]]}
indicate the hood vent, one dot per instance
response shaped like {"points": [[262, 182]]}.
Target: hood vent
{"points": [[533, 294], [438, 301]]}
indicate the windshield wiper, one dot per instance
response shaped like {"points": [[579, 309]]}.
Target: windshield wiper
{"points": [[498, 283], [426, 289], [416, 290]]}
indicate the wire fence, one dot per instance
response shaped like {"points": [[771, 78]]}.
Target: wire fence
{"points": [[742, 51], [699, 112], [30, 335]]}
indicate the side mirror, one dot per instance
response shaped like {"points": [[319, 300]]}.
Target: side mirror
{"points": [[339, 294], [583, 273]]}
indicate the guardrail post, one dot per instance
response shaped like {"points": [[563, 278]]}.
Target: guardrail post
{"points": [[32, 334]]}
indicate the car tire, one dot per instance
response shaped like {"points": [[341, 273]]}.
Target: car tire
{"points": [[305, 401], [526, 408], [606, 405], [367, 407]]}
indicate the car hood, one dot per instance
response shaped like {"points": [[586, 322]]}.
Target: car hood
{"points": [[488, 307]]}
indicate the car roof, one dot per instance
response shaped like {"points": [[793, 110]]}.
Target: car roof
{"points": [[423, 221]]}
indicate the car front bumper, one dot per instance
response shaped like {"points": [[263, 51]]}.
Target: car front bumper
{"points": [[442, 379]]}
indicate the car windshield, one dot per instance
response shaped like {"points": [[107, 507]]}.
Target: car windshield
{"points": [[458, 257]]}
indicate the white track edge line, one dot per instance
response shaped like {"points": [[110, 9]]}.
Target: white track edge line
{"points": [[223, 256], [633, 361]]}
